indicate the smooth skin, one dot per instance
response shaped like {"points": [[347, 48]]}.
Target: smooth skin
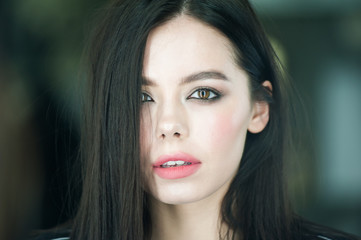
{"points": [[196, 100]]}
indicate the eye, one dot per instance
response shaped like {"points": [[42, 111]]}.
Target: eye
{"points": [[146, 98], [204, 94]]}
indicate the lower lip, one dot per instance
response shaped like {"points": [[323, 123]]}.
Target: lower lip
{"points": [[177, 172]]}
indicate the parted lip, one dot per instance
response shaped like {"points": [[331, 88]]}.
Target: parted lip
{"points": [[176, 157]]}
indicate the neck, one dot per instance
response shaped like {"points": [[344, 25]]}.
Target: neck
{"points": [[191, 221]]}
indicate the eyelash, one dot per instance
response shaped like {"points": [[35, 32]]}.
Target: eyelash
{"points": [[210, 91], [145, 96]]}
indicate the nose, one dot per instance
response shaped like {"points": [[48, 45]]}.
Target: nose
{"points": [[171, 122]]}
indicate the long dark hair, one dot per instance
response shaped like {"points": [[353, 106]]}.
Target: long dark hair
{"points": [[113, 203]]}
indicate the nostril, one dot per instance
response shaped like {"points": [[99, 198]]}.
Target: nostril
{"points": [[177, 134]]}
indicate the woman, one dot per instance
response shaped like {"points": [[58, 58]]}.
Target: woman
{"points": [[185, 127]]}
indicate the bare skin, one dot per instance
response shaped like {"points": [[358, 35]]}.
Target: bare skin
{"points": [[207, 118], [193, 221]]}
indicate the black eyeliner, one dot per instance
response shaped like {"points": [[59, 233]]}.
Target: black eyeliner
{"points": [[147, 95], [216, 92]]}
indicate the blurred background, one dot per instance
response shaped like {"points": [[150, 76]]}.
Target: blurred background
{"points": [[318, 41]]}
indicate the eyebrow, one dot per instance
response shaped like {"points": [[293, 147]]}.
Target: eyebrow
{"points": [[192, 78]]}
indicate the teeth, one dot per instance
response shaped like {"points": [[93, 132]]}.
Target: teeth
{"points": [[174, 164]]}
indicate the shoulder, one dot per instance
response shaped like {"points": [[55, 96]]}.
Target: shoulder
{"points": [[51, 235], [312, 231], [330, 237]]}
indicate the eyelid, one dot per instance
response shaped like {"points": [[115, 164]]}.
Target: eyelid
{"points": [[147, 95], [217, 94]]}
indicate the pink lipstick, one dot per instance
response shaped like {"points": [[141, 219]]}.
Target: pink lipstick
{"points": [[176, 166]]}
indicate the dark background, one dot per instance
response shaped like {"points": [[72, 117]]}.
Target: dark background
{"points": [[41, 41]]}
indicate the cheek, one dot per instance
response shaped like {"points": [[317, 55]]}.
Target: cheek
{"points": [[223, 126], [145, 147], [145, 136], [226, 129]]}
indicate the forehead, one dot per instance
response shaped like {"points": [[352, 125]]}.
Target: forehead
{"points": [[187, 45]]}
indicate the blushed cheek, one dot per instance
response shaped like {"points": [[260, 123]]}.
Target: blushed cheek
{"points": [[227, 129]]}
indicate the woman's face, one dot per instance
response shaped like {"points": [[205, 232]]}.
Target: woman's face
{"points": [[195, 114]]}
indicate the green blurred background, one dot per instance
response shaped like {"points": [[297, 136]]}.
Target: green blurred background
{"points": [[41, 41]]}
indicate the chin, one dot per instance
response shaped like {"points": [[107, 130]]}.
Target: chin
{"points": [[177, 200], [176, 195]]}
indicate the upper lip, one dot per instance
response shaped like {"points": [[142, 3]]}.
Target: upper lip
{"points": [[175, 157]]}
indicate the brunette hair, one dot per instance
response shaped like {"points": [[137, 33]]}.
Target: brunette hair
{"points": [[113, 204]]}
